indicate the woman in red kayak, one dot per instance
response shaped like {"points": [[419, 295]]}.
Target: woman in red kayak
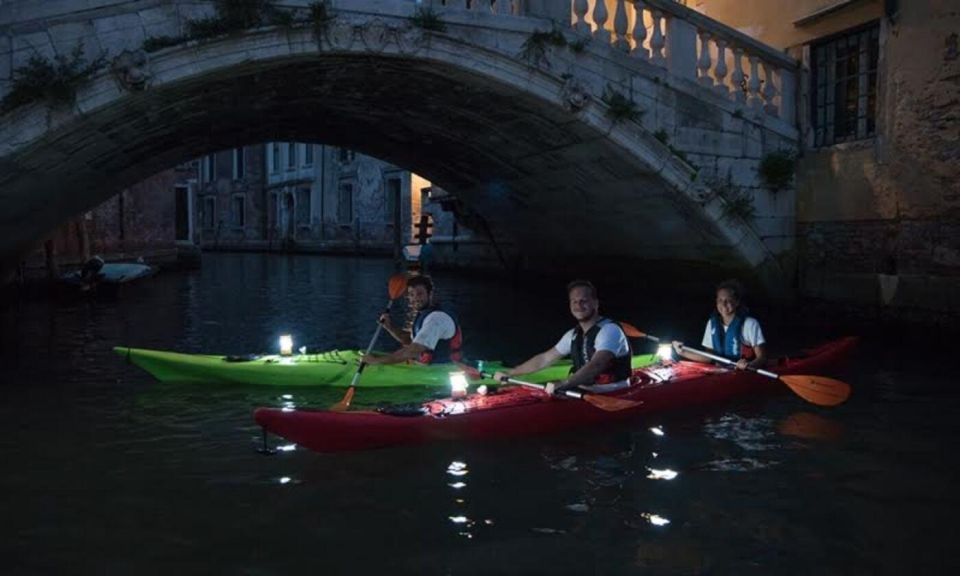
{"points": [[730, 331], [597, 346]]}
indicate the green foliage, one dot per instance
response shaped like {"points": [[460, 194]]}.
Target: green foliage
{"points": [[155, 43], [320, 19], [578, 46], [236, 15], [56, 81], [619, 107], [427, 19], [776, 169], [738, 203], [534, 48]]}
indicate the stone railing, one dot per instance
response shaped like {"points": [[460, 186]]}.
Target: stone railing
{"points": [[693, 46]]}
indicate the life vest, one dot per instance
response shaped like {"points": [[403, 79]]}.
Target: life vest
{"points": [[446, 350], [729, 342], [584, 346]]}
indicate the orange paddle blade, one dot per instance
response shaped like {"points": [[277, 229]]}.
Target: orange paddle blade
{"points": [[608, 403], [342, 405], [632, 331], [398, 283], [818, 389]]}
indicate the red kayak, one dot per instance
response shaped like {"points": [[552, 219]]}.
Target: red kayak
{"points": [[519, 411]]}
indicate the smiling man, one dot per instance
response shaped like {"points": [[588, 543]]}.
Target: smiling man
{"points": [[435, 336], [597, 346]]}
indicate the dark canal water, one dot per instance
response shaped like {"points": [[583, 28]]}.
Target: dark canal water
{"points": [[106, 471]]}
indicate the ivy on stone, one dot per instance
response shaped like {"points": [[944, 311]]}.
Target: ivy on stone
{"points": [[56, 81]]}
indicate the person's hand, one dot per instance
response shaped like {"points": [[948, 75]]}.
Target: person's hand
{"points": [[386, 321], [678, 347], [370, 359], [499, 377], [742, 364], [550, 388]]}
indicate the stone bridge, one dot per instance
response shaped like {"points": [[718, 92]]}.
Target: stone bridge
{"points": [[583, 131]]}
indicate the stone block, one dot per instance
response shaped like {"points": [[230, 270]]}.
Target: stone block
{"points": [[26, 46], [119, 33], [738, 171]]}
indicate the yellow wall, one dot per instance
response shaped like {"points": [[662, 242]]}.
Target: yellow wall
{"points": [[772, 21]]}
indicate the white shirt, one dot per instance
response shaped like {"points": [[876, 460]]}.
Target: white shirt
{"points": [[610, 338], [437, 326], [752, 334]]}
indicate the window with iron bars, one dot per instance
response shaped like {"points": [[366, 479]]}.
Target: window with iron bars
{"points": [[844, 85]]}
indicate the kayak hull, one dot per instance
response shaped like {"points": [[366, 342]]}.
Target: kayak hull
{"points": [[332, 368], [518, 411]]}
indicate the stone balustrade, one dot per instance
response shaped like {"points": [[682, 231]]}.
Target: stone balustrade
{"points": [[488, 6], [692, 46]]}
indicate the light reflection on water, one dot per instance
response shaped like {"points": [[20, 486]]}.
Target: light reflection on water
{"points": [[172, 475]]}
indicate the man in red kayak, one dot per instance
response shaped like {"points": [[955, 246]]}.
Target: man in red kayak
{"points": [[435, 336], [730, 331], [597, 346]]}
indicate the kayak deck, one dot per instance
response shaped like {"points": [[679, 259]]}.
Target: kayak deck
{"points": [[518, 411], [330, 368]]}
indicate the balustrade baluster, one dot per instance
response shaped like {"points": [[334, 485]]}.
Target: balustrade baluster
{"points": [[703, 63], [753, 84], [580, 9], [600, 19], [769, 91], [503, 7], [657, 41], [737, 77], [620, 27], [720, 70], [639, 31]]}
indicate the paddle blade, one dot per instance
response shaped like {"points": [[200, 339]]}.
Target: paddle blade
{"points": [[398, 283], [631, 331], [342, 405], [818, 389], [610, 404]]}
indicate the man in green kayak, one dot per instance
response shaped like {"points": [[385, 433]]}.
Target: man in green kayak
{"points": [[435, 336], [597, 346], [730, 331]]}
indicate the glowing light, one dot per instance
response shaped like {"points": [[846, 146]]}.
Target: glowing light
{"points": [[459, 519], [665, 474], [665, 352], [287, 448], [286, 345], [655, 519], [285, 480], [482, 390], [287, 396], [657, 431], [457, 469], [458, 384], [303, 350], [457, 485], [287, 409]]}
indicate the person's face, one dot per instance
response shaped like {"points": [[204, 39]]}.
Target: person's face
{"points": [[583, 305], [418, 297], [726, 303]]}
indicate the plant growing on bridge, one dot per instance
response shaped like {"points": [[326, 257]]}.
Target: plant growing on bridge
{"points": [[776, 169], [427, 19], [56, 81], [320, 18], [236, 15], [155, 43], [619, 107], [737, 202], [534, 48]]}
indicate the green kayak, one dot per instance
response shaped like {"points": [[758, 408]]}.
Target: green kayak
{"points": [[331, 368]]}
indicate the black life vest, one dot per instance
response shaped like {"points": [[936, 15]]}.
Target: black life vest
{"points": [[446, 350], [584, 346], [728, 342]]}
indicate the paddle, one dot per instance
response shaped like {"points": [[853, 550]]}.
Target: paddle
{"points": [[814, 389], [608, 403], [398, 284]]}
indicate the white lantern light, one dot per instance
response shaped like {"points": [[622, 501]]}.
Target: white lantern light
{"points": [[286, 345], [665, 352], [458, 384]]}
